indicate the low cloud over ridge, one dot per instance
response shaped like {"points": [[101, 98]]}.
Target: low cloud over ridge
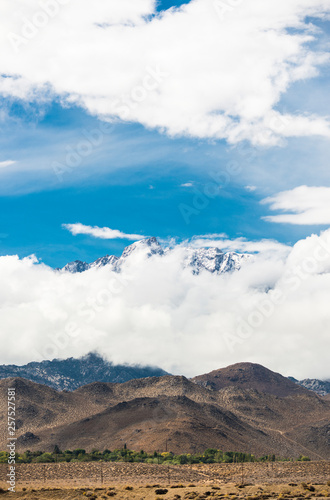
{"points": [[274, 311]]}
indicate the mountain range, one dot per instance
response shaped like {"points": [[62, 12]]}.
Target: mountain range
{"points": [[244, 407], [212, 260], [69, 374]]}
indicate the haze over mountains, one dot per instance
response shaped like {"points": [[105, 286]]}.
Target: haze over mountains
{"points": [[209, 259], [254, 411]]}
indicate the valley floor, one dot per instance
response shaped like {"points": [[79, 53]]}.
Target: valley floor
{"points": [[249, 481]]}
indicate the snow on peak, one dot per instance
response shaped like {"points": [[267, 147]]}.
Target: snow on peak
{"points": [[212, 260]]}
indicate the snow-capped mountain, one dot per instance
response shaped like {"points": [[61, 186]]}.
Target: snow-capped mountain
{"points": [[321, 387], [69, 374], [212, 260]]}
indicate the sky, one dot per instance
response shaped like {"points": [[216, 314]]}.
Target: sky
{"points": [[180, 120]]}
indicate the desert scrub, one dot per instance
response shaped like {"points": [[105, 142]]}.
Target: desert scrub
{"points": [[308, 487], [90, 494]]}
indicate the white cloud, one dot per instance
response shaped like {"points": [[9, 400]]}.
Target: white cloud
{"points": [[306, 206], [7, 163], [187, 184], [241, 245], [251, 188], [105, 233], [194, 71], [156, 312]]}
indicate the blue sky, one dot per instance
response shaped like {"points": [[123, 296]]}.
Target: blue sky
{"points": [[133, 181], [167, 4]]}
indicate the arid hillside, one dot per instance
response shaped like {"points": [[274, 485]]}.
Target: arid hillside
{"points": [[174, 412]]}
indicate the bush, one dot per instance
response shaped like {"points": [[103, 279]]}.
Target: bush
{"points": [[308, 487]]}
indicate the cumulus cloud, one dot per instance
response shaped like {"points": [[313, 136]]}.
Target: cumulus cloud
{"points": [[250, 188], [306, 206], [274, 311], [205, 70], [105, 233], [7, 163], [187, 184]]}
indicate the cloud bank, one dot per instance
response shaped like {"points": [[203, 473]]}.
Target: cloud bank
{"points": [[274, 311], [104, 233], [306, 206], [210, 69]]}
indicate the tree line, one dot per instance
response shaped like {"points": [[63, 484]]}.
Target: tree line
{"points": [[210, 456]]}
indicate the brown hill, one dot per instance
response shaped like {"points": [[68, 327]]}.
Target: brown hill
{"points": [[147, 413], [249, 376], [150, 422]]}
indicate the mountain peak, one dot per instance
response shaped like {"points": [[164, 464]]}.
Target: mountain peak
{"points": [[151, 244], [77, 266], [249, 376]]}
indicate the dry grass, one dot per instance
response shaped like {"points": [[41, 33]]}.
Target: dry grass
{"points": [[199, 492]]}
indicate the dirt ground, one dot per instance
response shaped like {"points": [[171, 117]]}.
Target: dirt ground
{"points": [[255, 481]]}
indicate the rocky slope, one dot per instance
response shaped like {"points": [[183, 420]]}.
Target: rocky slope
{"points": [[69, 374], [212, 260]]}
